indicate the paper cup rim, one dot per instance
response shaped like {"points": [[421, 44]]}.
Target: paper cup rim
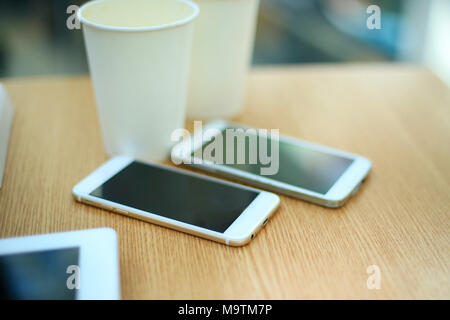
{"points": [[176, 23]]}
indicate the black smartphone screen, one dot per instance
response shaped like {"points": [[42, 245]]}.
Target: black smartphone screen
{"points": [[208, 204], [299, 166]]}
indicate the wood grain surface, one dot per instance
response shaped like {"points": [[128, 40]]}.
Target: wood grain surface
{"points": [[396, 115]]}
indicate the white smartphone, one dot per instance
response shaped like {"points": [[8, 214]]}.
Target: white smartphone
{"points": [[185, 201], [79, 265], [304, 170]]}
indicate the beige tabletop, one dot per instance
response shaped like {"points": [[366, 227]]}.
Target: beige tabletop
{"points": [[398, 116]]}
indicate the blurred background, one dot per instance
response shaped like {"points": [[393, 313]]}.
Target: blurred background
{"points": [[34, 38]]}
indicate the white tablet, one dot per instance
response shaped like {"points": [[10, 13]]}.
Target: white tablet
{"points": [[6, 119], [64, 266]]}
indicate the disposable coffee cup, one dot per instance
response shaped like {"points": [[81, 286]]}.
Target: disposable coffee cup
{"points": [[139, 58], [223, 46]]}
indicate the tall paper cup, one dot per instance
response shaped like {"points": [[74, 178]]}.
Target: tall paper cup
{"points": [[139, 68], [223, 45]]}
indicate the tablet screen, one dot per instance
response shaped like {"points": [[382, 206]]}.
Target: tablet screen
{"points": [[38, 275]]}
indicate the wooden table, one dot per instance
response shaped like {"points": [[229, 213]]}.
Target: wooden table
{"points": [[398, 116]]}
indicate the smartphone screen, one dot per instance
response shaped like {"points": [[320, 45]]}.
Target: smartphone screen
{"points": [[171, 194], [299, 166]]}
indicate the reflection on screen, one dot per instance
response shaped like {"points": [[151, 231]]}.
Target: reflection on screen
{"points": [[182, 197], [302, 167], [37, 275]]}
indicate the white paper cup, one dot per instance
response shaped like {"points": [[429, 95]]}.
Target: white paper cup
{"points": [[140, 75], [223, 45]]}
